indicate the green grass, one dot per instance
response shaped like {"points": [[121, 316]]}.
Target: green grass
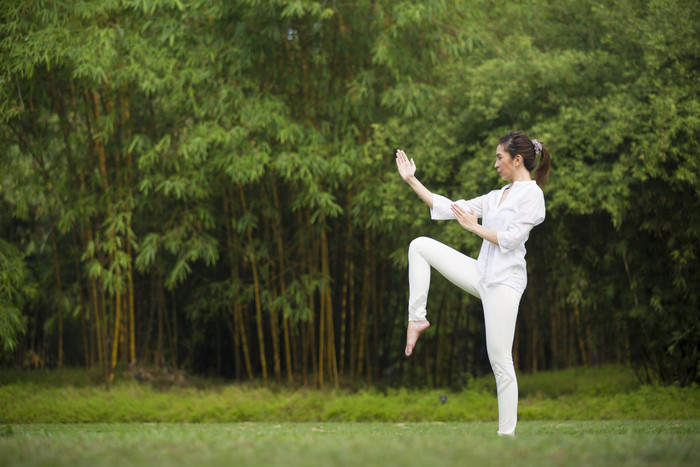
{"points": [[599, 416], [618, 443], [72, 396]]}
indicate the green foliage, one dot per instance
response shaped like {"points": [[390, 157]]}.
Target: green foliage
{"points": [[16, 291], [210, 148], [610, 393], [623, 131]]}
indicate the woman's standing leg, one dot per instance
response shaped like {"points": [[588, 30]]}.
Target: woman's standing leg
{"points": [[500, 314], [458, 268]]}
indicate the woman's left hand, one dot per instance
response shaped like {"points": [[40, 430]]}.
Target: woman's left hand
{"points": [[466, 219]]}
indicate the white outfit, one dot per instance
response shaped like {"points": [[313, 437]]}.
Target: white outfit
{"points": [[498, 277]]}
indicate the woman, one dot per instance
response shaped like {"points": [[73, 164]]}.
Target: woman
{"points": [[499, 276]]}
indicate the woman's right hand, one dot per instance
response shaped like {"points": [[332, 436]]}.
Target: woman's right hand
{"points": [[407, 168]]}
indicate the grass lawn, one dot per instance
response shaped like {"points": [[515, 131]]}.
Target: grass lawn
{"points": [[538, 443], [584, 416], [74, 396]]}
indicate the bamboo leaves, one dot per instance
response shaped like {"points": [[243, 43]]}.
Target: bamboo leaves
{"points": [[218, 177], [16, 290]]}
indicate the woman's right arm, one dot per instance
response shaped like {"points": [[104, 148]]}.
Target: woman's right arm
{"points": [[407, 170]]}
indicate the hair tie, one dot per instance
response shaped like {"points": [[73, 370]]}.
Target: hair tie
{"points": [[538, 146]]}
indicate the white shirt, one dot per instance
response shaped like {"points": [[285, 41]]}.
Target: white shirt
{"points": [[520, 212]]}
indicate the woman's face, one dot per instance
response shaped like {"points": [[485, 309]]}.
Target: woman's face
{"points": [[505, 165]]}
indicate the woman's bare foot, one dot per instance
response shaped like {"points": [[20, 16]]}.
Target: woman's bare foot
{"points": [[412, 333]]}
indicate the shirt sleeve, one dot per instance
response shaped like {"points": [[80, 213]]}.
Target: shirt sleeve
{"points": [[530, 214], [442, 207]]}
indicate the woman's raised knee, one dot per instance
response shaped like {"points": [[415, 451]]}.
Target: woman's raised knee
{"points": [[418, 242]]}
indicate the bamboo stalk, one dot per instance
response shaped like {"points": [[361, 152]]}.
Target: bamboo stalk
{"points": [[321, 338], [168, 327], [132, 317], [117, 322], [98, 324], [232, 241], [57, 270], [173, 341], [364, 305], [274, 316], [235, 339], [238, 317], [158, 355], [326, 298], [351, 318], [441, 330], [374, 307], [99, 146], [256, 290], [151, 314], [282, 283], [344, 296], [315, 360], [81, 299]]}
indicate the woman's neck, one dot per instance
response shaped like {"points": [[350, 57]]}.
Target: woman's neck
{"points": [[521, 176]]}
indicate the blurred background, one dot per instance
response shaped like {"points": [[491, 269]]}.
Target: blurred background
{"points": [[210, 186]]}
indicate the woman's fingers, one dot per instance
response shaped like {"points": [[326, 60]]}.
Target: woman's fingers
{"points": [[407, 168], [402, 160], [462, 214], [401, 156]]}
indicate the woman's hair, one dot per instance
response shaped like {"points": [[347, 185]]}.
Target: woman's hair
{"points": [[517, 142]]}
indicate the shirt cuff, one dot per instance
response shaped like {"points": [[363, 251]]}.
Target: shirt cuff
{"points": [[441, 209]]}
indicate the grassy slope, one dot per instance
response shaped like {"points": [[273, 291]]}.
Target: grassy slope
{"points": [[72, 396]]}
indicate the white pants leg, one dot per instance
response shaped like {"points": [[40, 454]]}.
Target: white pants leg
{"points": [[457, 267], [500, 303]]}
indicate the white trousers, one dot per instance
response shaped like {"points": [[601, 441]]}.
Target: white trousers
{"points": [[500, 303]]}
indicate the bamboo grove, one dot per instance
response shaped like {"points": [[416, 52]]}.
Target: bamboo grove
{"points": [[210, 185]]}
